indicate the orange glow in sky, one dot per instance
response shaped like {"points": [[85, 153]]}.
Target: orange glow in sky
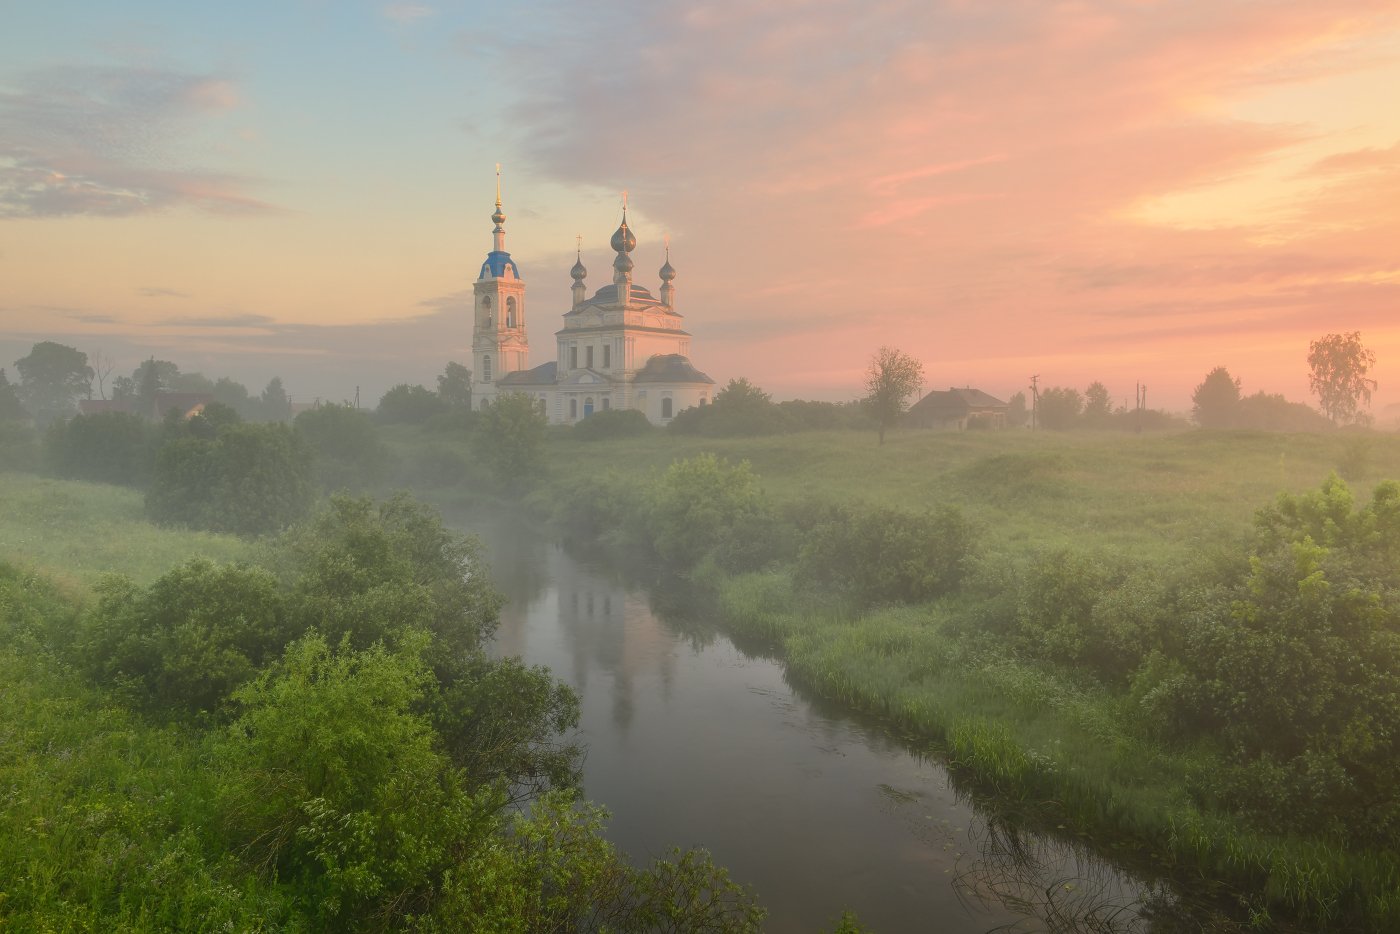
{"points": [[1122, 191]]}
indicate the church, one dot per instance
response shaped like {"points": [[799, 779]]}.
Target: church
{"points": [[621, 348]]}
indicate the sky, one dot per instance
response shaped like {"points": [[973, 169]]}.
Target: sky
{"points": [[1127, 191]]}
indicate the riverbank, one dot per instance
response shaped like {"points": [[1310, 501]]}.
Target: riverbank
{"points": [[1033, 664]]}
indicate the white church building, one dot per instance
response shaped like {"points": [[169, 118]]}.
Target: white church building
{"points": [[622, 348]]}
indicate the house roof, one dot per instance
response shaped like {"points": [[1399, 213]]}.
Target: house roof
{"points": [[955, 400]]}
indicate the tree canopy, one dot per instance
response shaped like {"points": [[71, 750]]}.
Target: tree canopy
{"points": [[890, 380], [1216, 401], [1339, 364], [52, 377]]}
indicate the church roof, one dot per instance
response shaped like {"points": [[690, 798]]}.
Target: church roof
{"points": [[495, 265], [670, 368], [607, 295], [542, 375]]}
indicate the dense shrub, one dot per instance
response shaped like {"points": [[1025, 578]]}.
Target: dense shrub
{"points": [[408, 404], [109, 447], [346, 446], [881, 555], [184, 643], [615, 423], [697, 504], [19, 447], [249, 480]]}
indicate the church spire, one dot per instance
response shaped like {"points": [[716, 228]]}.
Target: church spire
{"points": [[499, 234]]}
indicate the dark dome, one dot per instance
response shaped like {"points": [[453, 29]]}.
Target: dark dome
{"points": [[622, 239]]}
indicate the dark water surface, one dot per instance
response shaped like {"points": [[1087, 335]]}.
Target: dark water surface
{"points": [[694, 742]]}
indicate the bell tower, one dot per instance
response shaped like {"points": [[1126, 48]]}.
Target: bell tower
{"points": [[499, 343]]}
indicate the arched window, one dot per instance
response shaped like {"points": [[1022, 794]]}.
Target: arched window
{"points": [[587, 406], [486, 403], [485, 301], [573, 409], [486, 369], [510, 312], [666, 407]]}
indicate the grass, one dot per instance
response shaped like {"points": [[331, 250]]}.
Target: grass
{"points": [[74, 532]]}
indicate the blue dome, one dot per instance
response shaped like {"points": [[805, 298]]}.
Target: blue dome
{"points": [[495, 265]]}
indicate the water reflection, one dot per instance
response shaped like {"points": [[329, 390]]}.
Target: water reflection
{"points": [[694, 742]]}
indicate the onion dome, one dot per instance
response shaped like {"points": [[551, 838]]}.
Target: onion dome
{"points": [[578, 272], [623, 240], [623, 263], [498, 217], [668, 272]]}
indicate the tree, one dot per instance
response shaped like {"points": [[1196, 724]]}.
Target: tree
{"points": [[52, 378], [151, 377], [409, 404], [455, 385], [276, 407], [101, 368], [346, 445], [1017, 413], [1216, 401], [1339, 366], [1098, 407], [10, 408], [107, 447], [1060, 408], [891, 379], [512, 438]]}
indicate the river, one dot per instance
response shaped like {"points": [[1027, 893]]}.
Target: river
{"points": [[693, 741]]}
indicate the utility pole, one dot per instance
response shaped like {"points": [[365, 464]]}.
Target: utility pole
{"points": [[1035, 399]]}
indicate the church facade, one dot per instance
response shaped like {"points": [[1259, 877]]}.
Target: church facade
{"points": [[621, 348]]}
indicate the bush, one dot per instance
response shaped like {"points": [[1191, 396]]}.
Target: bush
{"points": [[615, 423], [19, 447], [250, 480], [109, 447], [346, 446], [697, 505], [881, 555], [406, 404]]}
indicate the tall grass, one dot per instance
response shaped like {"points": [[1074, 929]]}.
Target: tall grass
{"points": [[77, 531]]}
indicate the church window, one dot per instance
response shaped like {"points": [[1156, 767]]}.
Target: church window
{"points": [[510, 312], [573, 358], [666, 407], [486, 403], [704, 401], [588, 356], [607, 356], [607, 403], [485, 301], [587, 406], [573, 409], [486, 369]]}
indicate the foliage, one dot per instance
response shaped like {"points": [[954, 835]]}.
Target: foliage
{"points": [[1017, 413], [882, 555], [1272, 412], [890, 380], [455, 386], [1059, 408], [740, 409], [11, 410], [184, 643], [109, 447], [1338, 366], [408, 404], [809, 415], [1098, 407], [275, 406], [347, 450], [696, 504], [1216, 401], [363, 569], [615, 423], [249, 480], [19, 447], [510, 435], [51, 378]]}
